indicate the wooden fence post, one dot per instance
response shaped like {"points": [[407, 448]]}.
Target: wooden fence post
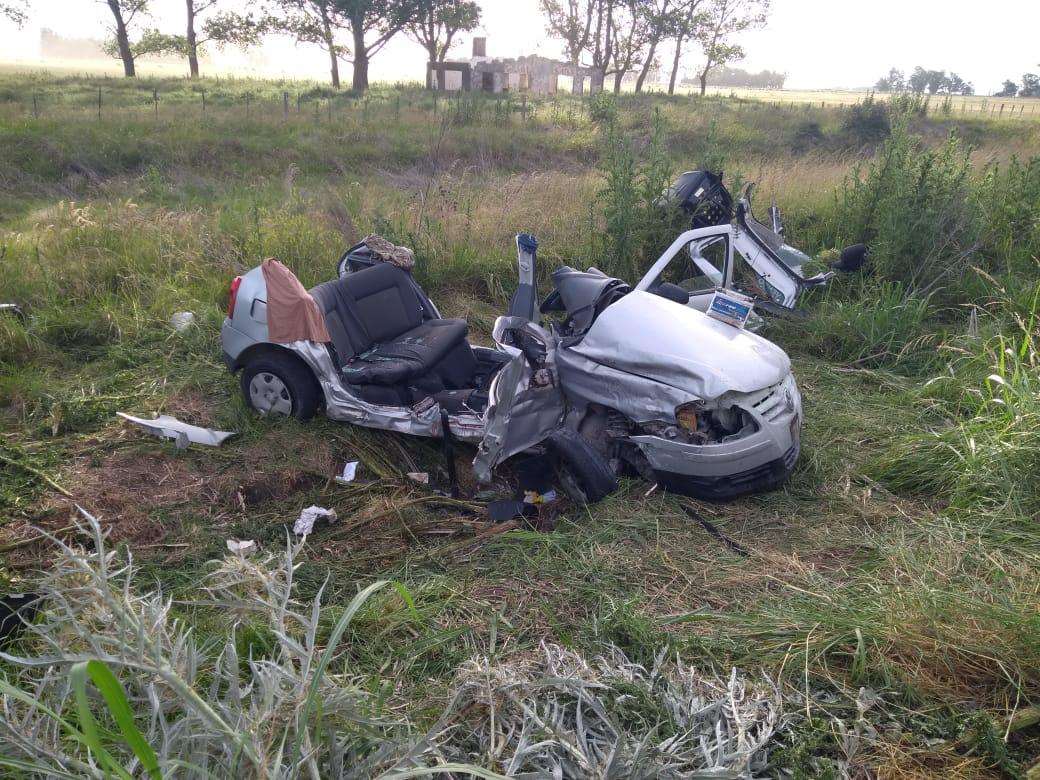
{"points": [[285, 105], [248, 101], [36, 110], [99, 103], [203, 101], [155, 101]]}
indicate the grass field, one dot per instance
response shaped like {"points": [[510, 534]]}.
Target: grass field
{"points": [[887, 604]]}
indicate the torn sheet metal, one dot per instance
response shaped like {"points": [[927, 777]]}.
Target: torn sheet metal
{"points": [[308, 517], [181, 433]]}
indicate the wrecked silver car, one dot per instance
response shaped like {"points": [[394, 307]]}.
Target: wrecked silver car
{"points": [[624, 381]]}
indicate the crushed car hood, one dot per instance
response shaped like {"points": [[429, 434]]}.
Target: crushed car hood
{"points": [[667, 342]]}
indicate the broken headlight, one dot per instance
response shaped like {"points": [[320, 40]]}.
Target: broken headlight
{"points": [[708, 426], [686, 416]]}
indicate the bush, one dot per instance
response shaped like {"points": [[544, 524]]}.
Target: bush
{"points": [[913, 207], [867, 122], [638, 224]]}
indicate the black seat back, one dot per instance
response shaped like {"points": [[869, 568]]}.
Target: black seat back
{"points": [[368, 307]]}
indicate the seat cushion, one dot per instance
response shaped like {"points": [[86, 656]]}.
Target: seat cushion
{"points": [[379, 336], [368, 307], [414, 354]]}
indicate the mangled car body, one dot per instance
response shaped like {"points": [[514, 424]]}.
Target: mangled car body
{"points": [[627, 380]]}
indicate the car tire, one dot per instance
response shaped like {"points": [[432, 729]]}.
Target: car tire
{"points": [[582, 472], [280, 385]]}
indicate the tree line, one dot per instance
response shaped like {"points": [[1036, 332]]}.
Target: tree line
{"points": [[921, 81], [617, 38], [622, 37], [1030, 87]]}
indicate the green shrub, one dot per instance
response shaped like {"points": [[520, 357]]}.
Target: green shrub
{"points": [[913, 206], [638, 224], [867, 121]]}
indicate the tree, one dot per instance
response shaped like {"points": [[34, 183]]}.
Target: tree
{"points": [[371, 24], [311, 21], [658, 22], [895, 81], [15, 11], [572, 24], [955, 85], [723, 20], [221, 28], [1010, 89], [685, 21], [1030, 85], [124, 12], [437, 24], [918, 81], [632, 31], [937, 81]]}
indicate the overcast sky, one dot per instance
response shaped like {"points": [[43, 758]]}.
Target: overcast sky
{"points": [[819, 43]]}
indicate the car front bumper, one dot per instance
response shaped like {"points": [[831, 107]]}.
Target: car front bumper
{"points": [[759, 461]]}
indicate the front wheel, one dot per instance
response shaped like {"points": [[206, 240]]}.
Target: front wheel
{"points": [[582, 472], [280, 385]]}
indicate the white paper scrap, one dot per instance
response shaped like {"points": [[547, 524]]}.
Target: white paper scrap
{"points": [[349, 472], [308, 517]]}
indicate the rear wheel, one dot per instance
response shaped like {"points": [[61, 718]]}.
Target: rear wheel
{"points": [[280, 385], [582, 472]]}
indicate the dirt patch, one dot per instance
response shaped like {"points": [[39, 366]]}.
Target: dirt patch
{"points": [[123, 490]]}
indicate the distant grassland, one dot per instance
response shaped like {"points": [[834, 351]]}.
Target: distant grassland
{"points": [[890, 588]]}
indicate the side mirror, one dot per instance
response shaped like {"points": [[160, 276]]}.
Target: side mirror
{"points": [[852, 258]]}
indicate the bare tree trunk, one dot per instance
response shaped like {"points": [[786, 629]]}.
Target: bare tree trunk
{"points": [[618, 75], [330, 44], [675, 64], [704, 81], [334, 67], [360, 82], [647, 64], [122, 40], [193, 46]]}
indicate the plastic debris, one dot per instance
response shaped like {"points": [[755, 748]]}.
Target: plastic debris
{"points": [[181, 433], [349, 472], [182, 320], [502, 511], [534, 497], [244, 547], [308, 517], [419, 476]]}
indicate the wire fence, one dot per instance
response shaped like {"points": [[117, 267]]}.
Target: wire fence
{"points": [[179, 103]]}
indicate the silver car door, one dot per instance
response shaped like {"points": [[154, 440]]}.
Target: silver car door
{"points": [[757, 272], [698, 261], [526, 401]]}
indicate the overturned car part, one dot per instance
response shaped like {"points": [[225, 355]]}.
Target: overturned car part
{"points": [[182, 434]]}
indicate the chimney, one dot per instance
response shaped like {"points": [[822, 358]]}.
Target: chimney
{"points": [[480, 47]]}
